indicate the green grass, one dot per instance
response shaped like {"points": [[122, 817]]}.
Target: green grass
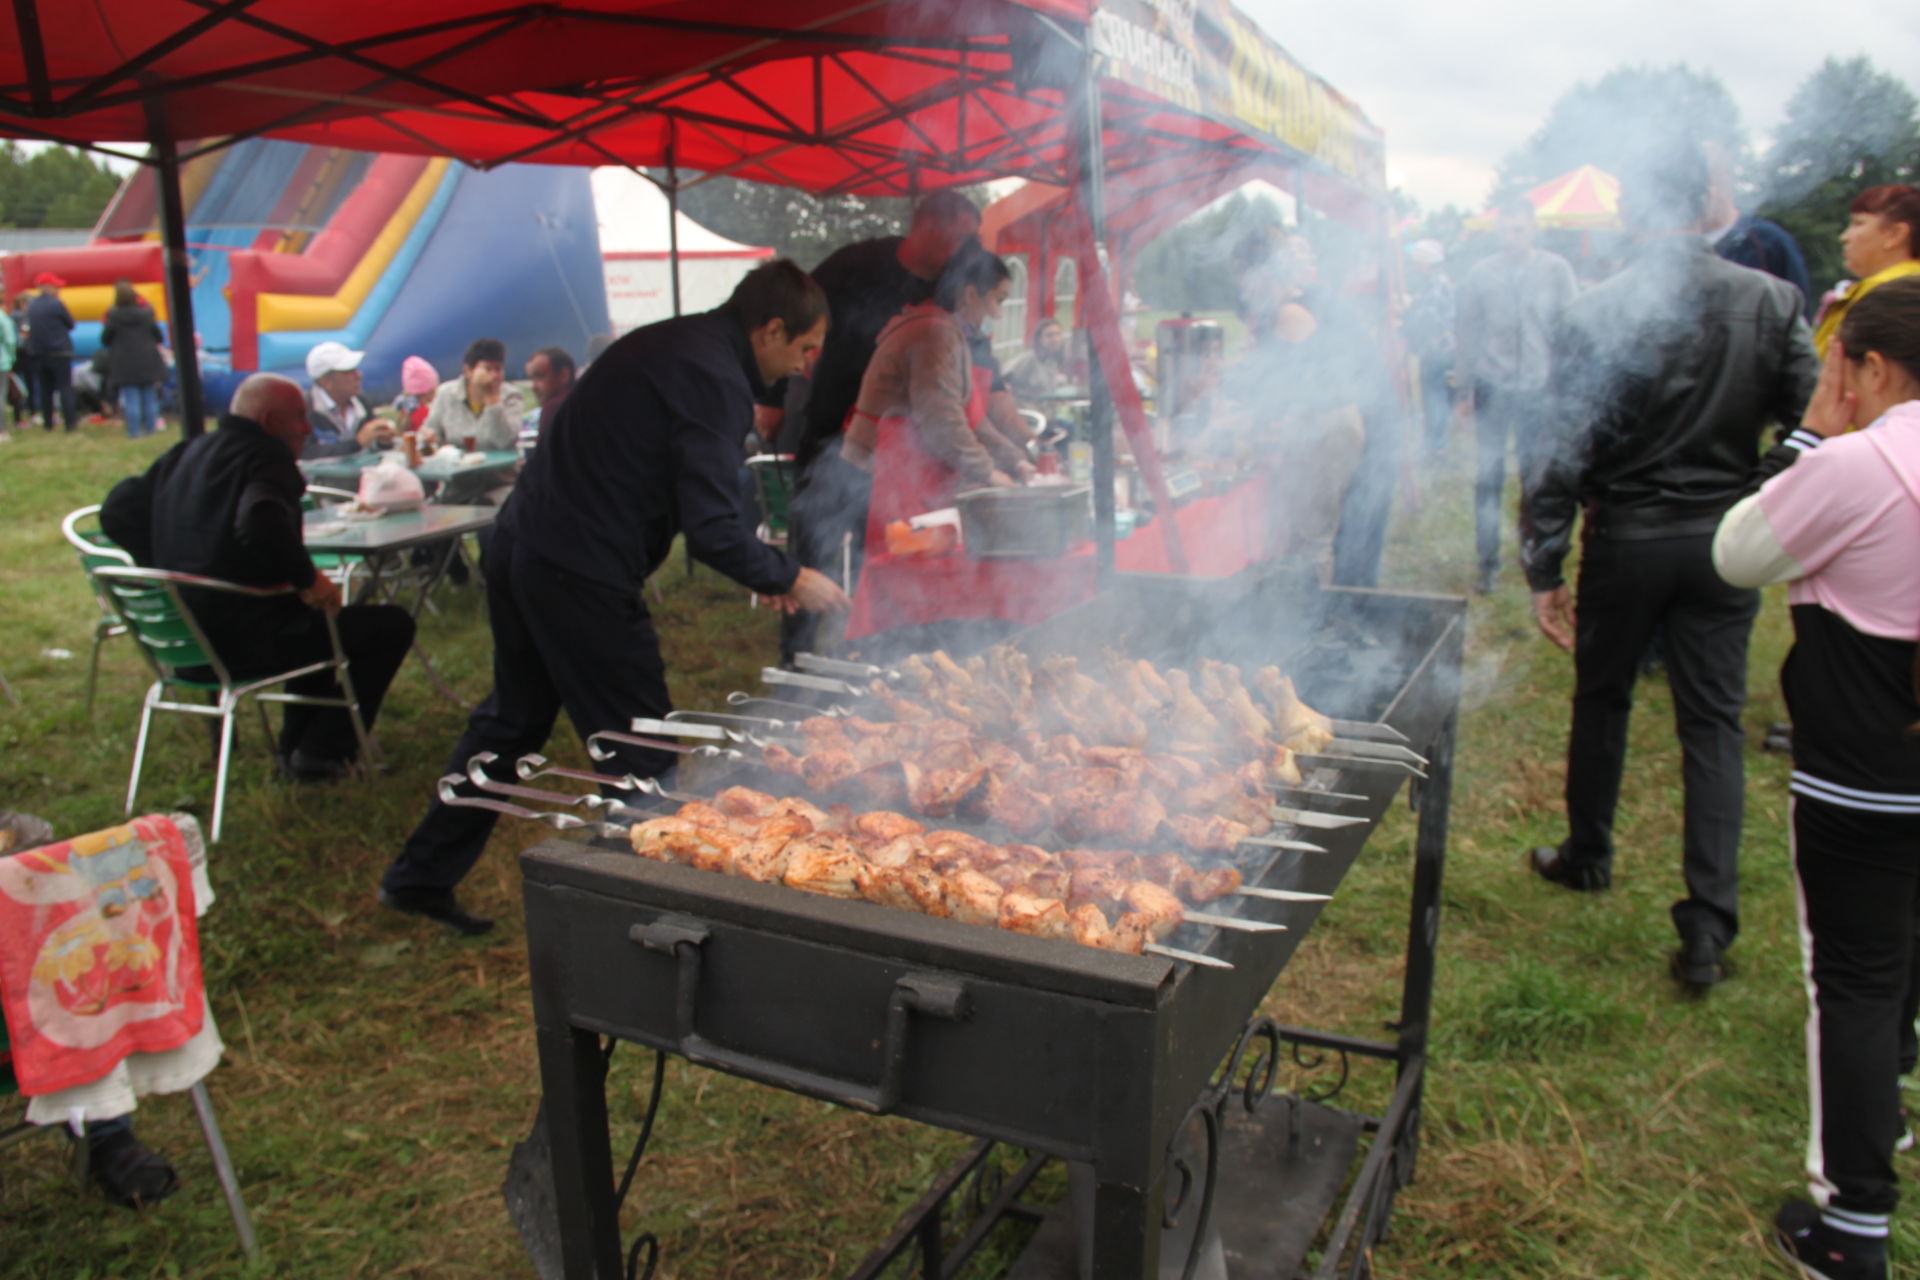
{"points": [[1582, 1119]]}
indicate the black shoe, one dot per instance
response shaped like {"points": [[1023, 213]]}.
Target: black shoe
{"points": [[1698, 963], [1551, 865], [1779, 738], [438, 905], [128, 1172], [1823, 1252], [302, 766], [1487, 582]]}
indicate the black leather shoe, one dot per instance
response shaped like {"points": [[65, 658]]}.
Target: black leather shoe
{"points": [[302, 766], [1551, 865], [438, 905], [128, 1172], [1698, 964]]}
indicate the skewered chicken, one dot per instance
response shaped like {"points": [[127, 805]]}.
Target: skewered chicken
{"points": [[889, 859]]}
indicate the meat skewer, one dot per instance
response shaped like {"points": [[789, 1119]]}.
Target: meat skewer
{"points": [[893, 860]]}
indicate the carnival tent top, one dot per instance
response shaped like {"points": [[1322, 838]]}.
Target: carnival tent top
{"points": [[1587, 199]]}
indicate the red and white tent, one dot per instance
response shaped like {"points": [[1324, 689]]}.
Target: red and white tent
{"points": [[644, 241]]}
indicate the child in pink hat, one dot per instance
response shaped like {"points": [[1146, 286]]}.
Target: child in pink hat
{"points": [[417, 383]]}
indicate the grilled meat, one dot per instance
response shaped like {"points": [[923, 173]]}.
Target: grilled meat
{"points": [[887, 858]]}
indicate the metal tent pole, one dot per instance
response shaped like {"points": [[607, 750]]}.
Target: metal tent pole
{"points": [[173, 236], [673, 225], [1093, 198]]}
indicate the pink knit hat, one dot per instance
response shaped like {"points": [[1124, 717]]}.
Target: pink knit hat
{"points": [[417, 377]]}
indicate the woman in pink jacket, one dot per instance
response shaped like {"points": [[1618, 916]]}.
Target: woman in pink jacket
{"points": [[1842, 525]]}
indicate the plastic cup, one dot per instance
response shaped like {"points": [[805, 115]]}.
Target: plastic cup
{"points": [[470, 444]]}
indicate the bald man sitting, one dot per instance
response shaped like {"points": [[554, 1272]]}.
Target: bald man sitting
{"points": [[227, 505]]}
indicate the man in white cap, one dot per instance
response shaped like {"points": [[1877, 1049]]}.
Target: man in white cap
{"points": [[342, 422]]}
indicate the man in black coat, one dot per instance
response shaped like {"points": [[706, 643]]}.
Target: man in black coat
{"points": [[227, 505], [46, 354], [645, 448], [1663, 380]]}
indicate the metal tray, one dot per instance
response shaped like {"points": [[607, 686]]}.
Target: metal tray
{"points": [[1041, 520]]}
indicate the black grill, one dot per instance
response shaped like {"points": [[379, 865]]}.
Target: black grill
{"points": [[1040, 1048]]}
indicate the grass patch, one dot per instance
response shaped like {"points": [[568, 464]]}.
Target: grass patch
{"points": [[1582, 1119]]}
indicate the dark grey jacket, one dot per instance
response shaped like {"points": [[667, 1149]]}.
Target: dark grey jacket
{"points": [[132, 337], [1663, 381]]}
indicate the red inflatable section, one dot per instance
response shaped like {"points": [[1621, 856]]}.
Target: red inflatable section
{"points": [[328, 260], [140, 262]]}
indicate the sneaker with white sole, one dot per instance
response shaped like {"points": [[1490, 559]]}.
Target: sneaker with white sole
{"points": [[1823, 1251]]}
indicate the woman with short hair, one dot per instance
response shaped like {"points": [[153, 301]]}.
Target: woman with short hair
{"points": [[1881, 242], [135, 368]]}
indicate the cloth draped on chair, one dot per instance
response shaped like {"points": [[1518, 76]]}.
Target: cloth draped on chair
{"points": [[100, 976]]}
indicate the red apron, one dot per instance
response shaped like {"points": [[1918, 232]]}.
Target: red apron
{"points": [[908, 480]]}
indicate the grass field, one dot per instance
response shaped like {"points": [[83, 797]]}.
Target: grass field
{"points": [[1583, 1118]]}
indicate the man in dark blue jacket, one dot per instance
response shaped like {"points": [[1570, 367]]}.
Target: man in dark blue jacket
{"points": [[1749, 241], [46, 353], [645, 448]]}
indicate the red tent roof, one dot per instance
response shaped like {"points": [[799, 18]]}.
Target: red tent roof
{"points": [[880, 97]]}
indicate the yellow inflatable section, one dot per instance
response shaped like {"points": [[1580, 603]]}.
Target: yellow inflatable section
{"points": [[90, 301], [283, 311]]}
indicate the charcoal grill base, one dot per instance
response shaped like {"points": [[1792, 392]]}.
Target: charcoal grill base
{"points": [[1282, 1171]]}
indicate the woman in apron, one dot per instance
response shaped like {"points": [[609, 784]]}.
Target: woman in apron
{"points": [[919, 424]]}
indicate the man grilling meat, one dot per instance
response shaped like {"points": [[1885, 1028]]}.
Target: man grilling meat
{"points": [[644, 449], [1663, 380]]}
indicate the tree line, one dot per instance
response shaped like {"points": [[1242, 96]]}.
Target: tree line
{"points": [[52, 187]]}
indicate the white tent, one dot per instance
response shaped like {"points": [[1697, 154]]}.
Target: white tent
{"points": [[632, 213]]}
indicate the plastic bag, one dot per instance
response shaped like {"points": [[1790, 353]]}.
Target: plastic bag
{"points": [[388, 485]]}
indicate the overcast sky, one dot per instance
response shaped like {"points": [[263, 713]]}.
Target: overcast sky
{"points": [[1455, 86]]}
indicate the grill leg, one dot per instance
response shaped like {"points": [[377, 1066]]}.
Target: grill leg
{"points": [[573, 1078]]}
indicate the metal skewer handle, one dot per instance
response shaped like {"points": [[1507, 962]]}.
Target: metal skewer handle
{"points": [[1281, 895], [558, 821], [837, 667], [796, 680], [1281, 842], [1308, 794], [1233, 922], [1378, 730], [597, 748], [1309, 818], [739, 698], [1319, 761], [1191, 957], [533, 765], [722, 718], [1375, 750]]}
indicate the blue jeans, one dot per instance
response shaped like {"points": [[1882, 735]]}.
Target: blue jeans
{"points": [[140, 405]]}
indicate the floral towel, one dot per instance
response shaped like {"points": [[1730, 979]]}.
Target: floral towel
{"points": [[99, 952]]}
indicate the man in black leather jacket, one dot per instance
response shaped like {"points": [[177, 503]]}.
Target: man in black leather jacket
{"points": [[1664, 380]]}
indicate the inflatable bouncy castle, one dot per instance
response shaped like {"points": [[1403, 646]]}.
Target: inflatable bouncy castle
{"points": [[293, 245]]}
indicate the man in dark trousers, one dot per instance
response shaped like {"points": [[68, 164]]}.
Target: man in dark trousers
{"points": [[1663, 381], [867, 284], [227, 505], [645, 448], [46, 354]]}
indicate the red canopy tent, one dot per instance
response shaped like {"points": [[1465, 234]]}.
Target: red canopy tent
{"points": [[878, 97]]}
